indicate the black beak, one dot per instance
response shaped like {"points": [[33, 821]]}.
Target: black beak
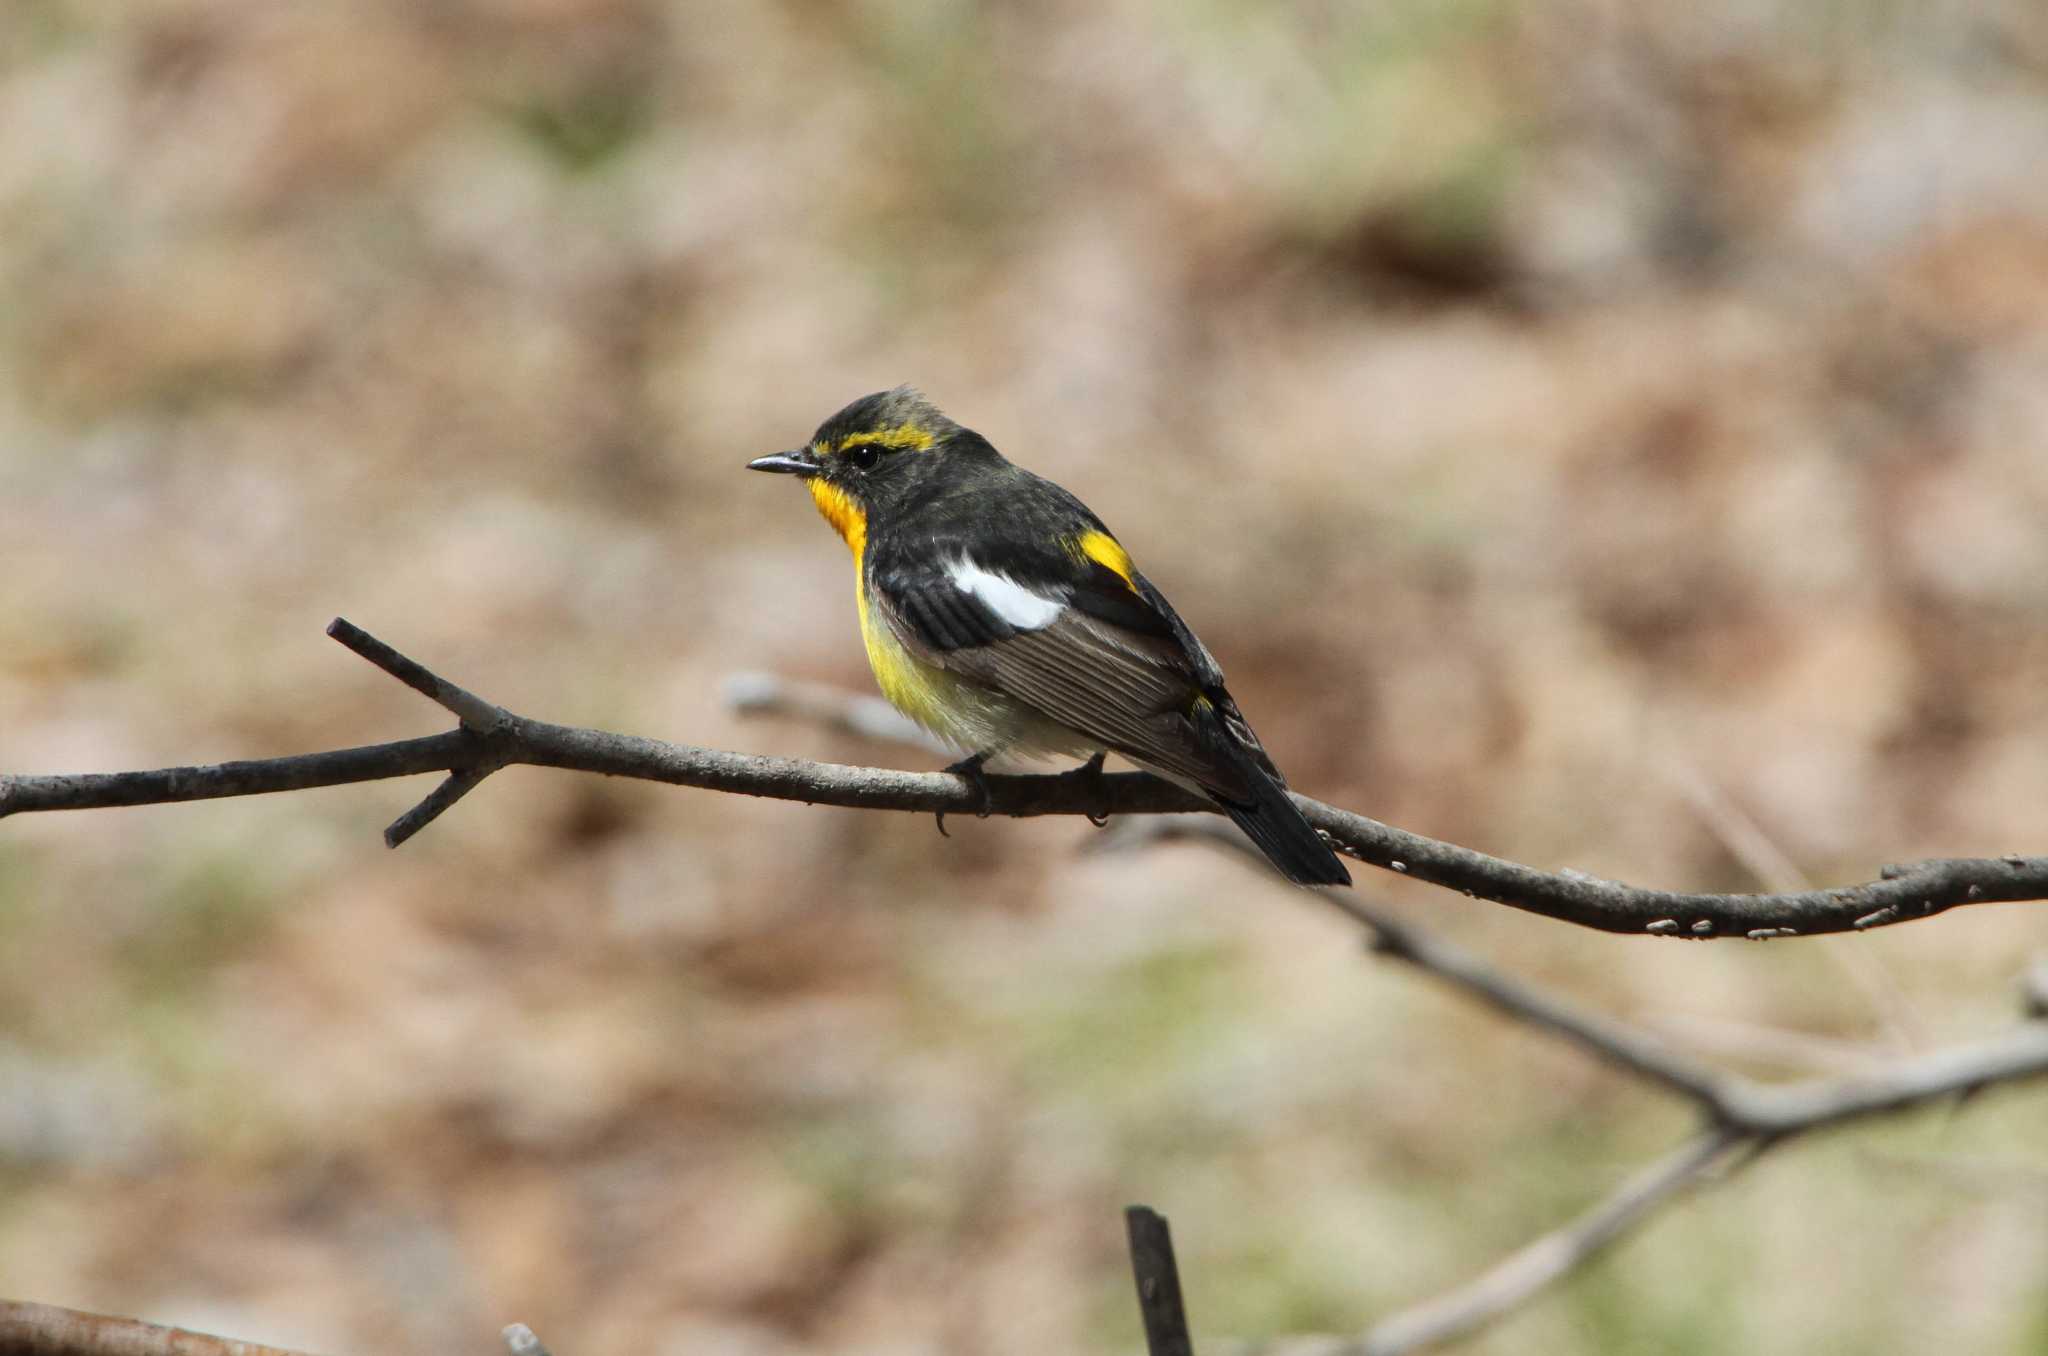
{"points": [[797, 463]]}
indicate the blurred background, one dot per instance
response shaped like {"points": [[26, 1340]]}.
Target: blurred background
{"points": [[1610, 435]]}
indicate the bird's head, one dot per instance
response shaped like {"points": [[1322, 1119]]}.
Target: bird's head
{"points": [[874, 454]]}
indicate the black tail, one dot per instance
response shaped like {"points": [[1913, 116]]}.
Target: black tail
{"points": [[1247, 787], [1287, 839]]}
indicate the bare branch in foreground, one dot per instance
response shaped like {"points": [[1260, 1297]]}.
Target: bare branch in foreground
{"points": [[490, 738], [46, 1330], [1158, 1277]]}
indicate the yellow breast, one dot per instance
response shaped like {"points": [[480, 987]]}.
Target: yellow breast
{"points": [[926, 693], [975, 718]]}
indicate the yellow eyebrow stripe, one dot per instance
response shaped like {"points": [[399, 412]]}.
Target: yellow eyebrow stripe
{"points": [[1109, 553], [910, 436]]}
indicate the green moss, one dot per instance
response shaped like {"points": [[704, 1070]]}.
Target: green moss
{"points": [[834, 1158], [1461, 209], [2031, 1332], [588, 129], [36, 28], [1131, 1027], [1273, 1288], [206, 913], [1616, 1306]]}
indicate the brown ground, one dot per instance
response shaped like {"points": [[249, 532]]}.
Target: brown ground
{"points": [[1614, 436]]}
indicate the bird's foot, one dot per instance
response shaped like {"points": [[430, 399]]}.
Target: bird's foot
{"points": [[969, 770], [1092, 771]]}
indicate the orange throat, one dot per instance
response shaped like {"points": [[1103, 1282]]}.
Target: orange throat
{"points": [[839, 508]]}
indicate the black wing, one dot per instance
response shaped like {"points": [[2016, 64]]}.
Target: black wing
{"points": [[1089, 650]]}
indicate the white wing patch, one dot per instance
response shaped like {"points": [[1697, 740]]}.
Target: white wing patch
{"points": [[1004, 596]]}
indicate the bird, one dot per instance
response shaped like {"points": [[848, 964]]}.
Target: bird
{"points": [[1000, 614]]}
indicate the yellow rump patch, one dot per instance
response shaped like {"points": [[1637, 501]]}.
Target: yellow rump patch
{"points": [[841, 510], [1109, 553]]}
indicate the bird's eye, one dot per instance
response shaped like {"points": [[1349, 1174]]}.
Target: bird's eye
{"points": [[863, 455]]}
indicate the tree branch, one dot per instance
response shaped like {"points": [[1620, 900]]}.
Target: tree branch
{"points": [[1160, 1309], [490, 737], [46, 1330], [1742, 1117], [1738, 1104], [1542, 1262], [1745, 1119]]}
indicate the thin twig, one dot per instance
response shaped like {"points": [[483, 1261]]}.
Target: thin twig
{"points": [[2034, 989], [520, 1341], [829, 708], [1776, 1111], [1158, 1278], [454, 787], [1626, 1048], [1700, 1034], [1541, 1263], [1747, 841], [1744, 1117], [473, 711], [491, 737], [46, 1330]]}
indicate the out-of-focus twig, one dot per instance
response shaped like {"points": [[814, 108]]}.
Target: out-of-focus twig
{"points": [[1749, 843], [1761, 1043], [829, 708], [2034, 989], [1742, 1117], [46, 1330], [1158, 1276], [1542, 1262], [520, 1341], [1730, 1101]]}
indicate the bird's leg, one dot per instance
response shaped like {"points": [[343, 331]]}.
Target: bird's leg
{"points": [[1092, 770], [969, 770]]}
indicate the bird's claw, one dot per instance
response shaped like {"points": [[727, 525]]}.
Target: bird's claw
{"points": [[1092, 770], [969, 770]]}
